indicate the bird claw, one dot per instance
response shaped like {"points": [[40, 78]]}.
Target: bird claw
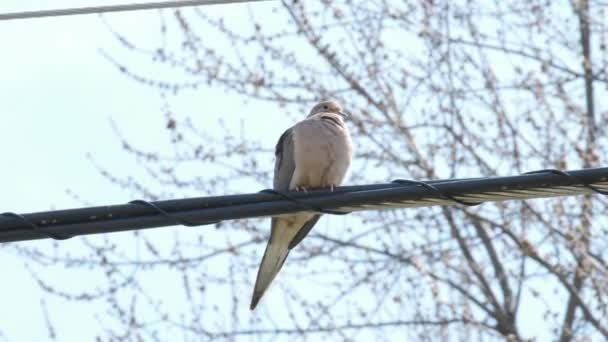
{"points": [[301, 189], [331, 188]]}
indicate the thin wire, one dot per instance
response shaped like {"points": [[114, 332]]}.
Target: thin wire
{"points": [[437, 192], [174, 218], [114, 8], [572, 178], [304, 205]]}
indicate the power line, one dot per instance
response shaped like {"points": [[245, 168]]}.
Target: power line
{"points": [[207, 210], [114, 8]]}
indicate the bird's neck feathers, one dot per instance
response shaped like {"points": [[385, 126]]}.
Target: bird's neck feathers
{"points": [[331, 118]]}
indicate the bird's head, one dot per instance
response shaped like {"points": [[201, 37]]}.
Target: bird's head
{"points": [[328, 106]]}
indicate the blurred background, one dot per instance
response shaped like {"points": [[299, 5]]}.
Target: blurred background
{"points": [[175, 103]]}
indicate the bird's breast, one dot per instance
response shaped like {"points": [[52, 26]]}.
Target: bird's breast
{"points": [[322, 153]]}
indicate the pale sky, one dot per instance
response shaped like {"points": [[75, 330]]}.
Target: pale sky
{"points": [[57, 96]]}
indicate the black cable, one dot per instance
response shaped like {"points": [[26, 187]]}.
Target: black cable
{"points": [[572, 178], [139, 214], [304, 205], [439, 193], [35, 228], [175, 219]]}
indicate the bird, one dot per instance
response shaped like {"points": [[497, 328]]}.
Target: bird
{"points": [[314, 153]]}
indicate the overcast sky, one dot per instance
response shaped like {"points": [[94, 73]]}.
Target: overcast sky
{"points": [[57, 96]]}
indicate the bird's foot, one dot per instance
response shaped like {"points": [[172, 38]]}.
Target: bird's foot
{"points": [[331, 187], [301, 189]]}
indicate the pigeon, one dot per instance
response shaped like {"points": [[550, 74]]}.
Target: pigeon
{"points": [[314, 153]]}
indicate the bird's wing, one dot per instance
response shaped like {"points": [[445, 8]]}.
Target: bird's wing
{"points": [[284, 168], [285, 232], [284, 165], [301, 234]]}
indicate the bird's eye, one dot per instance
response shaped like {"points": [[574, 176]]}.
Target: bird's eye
{"points": [[325, 107]]}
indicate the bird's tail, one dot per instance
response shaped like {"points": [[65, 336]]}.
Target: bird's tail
{"points": [[273, 260]]}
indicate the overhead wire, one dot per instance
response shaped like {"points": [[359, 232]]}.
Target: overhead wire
{"points": [[140, 214], [114, 8]]}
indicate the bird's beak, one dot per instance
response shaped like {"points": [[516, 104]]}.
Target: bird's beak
{"points": [[344, 114]]}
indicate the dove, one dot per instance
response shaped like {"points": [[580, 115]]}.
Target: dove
{"points": [[314, 153]]}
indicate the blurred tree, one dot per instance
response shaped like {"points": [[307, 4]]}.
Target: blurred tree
{"points": [[437, 89]]}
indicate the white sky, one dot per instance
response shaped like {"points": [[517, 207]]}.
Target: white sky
{"points": [[57, 95]]}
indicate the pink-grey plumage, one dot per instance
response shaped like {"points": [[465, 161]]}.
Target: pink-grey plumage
{"points": [[314, 153]]}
